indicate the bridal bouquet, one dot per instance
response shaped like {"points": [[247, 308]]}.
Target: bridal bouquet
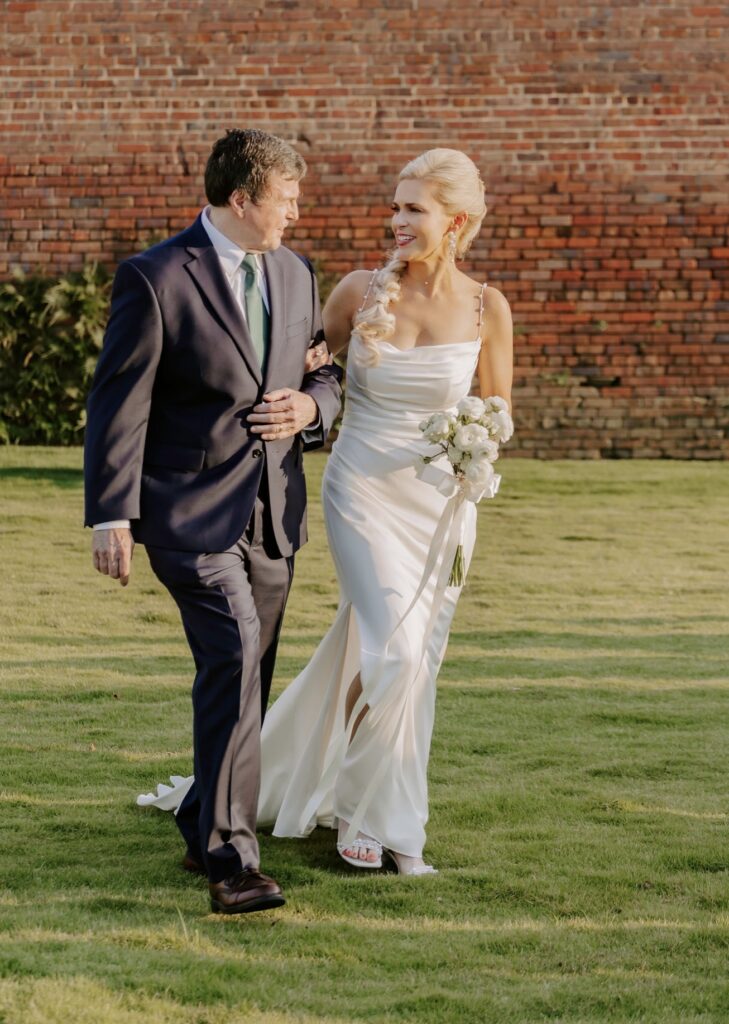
{"points": [[469, 436]]}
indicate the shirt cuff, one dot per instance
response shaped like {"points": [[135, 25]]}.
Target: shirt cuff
{"points": [[114, 524]]}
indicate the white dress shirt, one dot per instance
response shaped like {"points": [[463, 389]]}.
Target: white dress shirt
{"points": [[231, 256]]}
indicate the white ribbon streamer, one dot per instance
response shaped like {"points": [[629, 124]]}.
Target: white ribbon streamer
{"points": [[168, 798]]}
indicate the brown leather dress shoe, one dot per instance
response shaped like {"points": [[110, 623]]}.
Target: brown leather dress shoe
{"points": [[244, 892], [192, 864]]}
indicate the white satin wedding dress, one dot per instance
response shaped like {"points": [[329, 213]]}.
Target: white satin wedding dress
{"points": [[393, 541]]}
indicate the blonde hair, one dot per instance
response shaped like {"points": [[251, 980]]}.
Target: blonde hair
{"points": [[459, 189]]}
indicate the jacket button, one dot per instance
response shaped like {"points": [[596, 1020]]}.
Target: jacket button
{"points": [[257, 453]]}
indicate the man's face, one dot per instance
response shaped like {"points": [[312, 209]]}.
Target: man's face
{"points": [[266, 221]]}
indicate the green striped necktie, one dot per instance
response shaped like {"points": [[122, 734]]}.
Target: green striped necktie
{"points": [[256, 312]]}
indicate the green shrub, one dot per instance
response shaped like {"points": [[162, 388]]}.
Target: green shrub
{"points": [[51, 331]]}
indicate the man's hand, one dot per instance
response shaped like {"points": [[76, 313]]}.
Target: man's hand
{"points": [[316, 356], [112, 551], [282, 414]]}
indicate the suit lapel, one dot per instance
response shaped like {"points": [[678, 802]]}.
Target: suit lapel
{"points": [[208, 275], [276, 285]]}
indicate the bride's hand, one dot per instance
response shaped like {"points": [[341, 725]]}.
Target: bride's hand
{"points": [[317, 356], [282, 414]]}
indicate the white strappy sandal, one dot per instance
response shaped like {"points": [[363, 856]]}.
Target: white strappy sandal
{"points": [[361, 842], [415, 872]]}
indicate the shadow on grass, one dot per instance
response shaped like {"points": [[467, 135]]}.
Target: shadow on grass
{"points": [[645, 621], [91, 640], [637, 669], [64, 478], [520, 655], [693, 644], [133, 667]]}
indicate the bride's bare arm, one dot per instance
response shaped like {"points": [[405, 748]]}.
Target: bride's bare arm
{"points": [[341, 306], [496, 362]]}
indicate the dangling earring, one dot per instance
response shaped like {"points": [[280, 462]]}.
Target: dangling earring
{"points": [[452, 246]]}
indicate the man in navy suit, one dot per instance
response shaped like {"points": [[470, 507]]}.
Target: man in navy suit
{"points": [[199, 412]]}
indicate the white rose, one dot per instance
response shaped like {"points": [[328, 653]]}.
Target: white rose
{"points": [[479, 473], [496, 404], [502, 426], [471, 438], [487, 449], [457, 458], [471, 408], [437, 427], [478, 478]]}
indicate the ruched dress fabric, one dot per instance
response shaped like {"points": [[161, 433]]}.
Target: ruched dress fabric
{"points": [[393, 619]]}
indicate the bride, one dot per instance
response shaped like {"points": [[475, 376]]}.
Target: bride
{"points": [[347, 744]]}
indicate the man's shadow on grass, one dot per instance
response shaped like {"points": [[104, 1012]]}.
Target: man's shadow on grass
{"points": [[291, 861]]}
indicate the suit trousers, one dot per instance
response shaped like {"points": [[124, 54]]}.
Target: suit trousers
{"points": [[232, 604]]}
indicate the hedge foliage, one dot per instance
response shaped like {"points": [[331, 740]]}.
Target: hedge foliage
{"points": [[51, 331]]}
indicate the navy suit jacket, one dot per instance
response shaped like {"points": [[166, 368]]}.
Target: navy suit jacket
{"points": [[167, 442]]}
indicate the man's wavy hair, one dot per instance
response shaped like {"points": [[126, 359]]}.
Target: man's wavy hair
{"points": [[243, 160]]}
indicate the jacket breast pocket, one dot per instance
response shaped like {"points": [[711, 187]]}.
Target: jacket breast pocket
{"points": [[298, 329], [175, 456]]}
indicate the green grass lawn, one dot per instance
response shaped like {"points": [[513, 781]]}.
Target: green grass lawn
{"points": [[579, 793]]}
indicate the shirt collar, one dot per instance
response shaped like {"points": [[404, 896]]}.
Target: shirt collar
{"points": [[229, 252]]}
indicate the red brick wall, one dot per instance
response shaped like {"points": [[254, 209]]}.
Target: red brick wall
{"points": [[600, 128]]}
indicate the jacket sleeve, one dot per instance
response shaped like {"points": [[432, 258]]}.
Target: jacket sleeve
{"points": [[324, 384], [120, 398]]}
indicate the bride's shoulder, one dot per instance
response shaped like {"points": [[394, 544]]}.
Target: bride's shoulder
{"points": [[494, 301], [496, 323], [341, 308], [357, 281], [351, 290]]}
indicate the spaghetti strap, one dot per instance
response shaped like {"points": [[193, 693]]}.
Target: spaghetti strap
{"points": [[369, 289], [480, 311]]}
